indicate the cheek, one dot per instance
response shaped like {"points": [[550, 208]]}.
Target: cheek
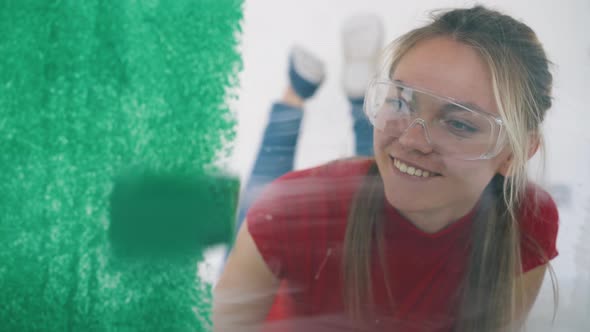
{"points": [[471, 176], [381, 141], [477, 172]]}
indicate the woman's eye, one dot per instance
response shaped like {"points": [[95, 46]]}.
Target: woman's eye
{"points": [[398, 105], [461, 127]]}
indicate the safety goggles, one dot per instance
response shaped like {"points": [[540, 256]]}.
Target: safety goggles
{"points": [[454, 129]]}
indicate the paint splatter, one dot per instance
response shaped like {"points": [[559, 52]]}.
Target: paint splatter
{"points": [[113, 115]]}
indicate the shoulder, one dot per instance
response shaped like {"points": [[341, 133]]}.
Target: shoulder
{"points": [[538, 210], [302, 209], [539, 224], [333, 169], [311, 193], [301, 190], [313, 183]]}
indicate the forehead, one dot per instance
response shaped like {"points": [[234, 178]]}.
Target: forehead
{"points": [[448, 68]]}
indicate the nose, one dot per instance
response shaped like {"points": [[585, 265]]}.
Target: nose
{"points": [[416, 137]]}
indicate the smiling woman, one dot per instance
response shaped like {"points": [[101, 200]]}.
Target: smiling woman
{"points": [[440, 230]]}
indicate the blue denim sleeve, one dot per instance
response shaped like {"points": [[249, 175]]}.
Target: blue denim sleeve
{"points": [[276, 155], [363, 131]]}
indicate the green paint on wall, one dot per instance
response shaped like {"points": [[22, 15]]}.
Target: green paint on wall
{"points": [[113, 115]]}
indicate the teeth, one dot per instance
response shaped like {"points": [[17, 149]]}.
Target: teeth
{"points": [[410, 170]]}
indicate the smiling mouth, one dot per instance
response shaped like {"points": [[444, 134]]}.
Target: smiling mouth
{"points": [[412, 170]]}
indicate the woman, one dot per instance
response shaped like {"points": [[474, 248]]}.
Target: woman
{"points": [[440, 231]]}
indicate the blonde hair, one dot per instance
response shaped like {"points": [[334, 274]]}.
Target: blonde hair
{"points": [[522, 88]]}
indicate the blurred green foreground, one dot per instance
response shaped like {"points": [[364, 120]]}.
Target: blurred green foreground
{"points": [[113, 115]]}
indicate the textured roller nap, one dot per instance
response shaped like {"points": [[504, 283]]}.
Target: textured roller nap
{"points": [[113, 114]]}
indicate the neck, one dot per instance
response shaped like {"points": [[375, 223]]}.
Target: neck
{"points": [[435, 220]]}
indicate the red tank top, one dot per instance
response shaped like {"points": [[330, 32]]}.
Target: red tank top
{"points": [[299, 223]]}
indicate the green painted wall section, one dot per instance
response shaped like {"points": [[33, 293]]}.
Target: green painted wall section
{"points": [[112, 115]]}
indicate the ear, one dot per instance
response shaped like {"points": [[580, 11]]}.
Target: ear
{"points": [[505, 166], [534, 144]]}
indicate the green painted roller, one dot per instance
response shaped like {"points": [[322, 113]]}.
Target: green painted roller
{"points": [[113, 117]]}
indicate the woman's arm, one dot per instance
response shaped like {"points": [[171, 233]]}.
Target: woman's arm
{"points": [[246, 289]]}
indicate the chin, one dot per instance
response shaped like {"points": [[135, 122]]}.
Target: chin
{"points": [[407, 202]]}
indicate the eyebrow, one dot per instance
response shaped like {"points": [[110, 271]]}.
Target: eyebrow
{"points": [[450, 107], [468, 105], [472, 107]]}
